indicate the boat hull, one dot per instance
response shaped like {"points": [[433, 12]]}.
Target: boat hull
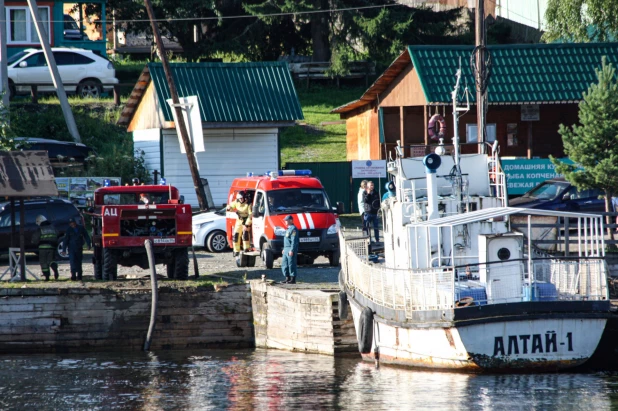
{"points": [[536, 344]]}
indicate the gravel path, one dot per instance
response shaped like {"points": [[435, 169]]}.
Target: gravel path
{"points": [[216, 265]]}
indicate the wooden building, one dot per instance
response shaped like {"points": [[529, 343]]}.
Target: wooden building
{"points": [[242, 108], [533, 88]]}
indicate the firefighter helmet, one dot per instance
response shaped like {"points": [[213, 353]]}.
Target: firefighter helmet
{"points": [[40, 219]]}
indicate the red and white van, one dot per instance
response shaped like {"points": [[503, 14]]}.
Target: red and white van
{"points": [[282, 193]]}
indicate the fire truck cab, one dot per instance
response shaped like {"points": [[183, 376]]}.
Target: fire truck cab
{"points": [[274, 196]]}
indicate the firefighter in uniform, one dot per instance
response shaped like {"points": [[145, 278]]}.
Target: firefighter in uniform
{"points": [[243, 222], [47, 239], [290, 251]]}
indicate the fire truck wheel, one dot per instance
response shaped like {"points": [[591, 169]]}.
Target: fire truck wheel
{"points": [[170, 269], [333, 258], [181, 264], [267, 256], [98, 263], [110, 265]]}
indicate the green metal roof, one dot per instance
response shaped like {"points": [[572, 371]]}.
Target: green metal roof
{"points": [[519, 73], [232, 92]]}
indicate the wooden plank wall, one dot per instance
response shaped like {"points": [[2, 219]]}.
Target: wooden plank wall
{"points": [[300, 320], [81, 319]]}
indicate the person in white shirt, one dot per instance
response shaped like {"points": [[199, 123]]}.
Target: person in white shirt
{"points": [[361, 206]]}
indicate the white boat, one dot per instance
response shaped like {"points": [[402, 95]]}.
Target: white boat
{"points": [[461, 284]]}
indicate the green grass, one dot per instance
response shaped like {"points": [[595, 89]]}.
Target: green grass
{"points": [[312, 142]]}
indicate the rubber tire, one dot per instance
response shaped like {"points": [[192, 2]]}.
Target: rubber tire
{"points": [[181, 264], [341, 281], [91, 84], [98, 263], [333, 258], [241, 260], [216, 242], [110, 265], [365, 331], [251, 261], [59, 256], [343, 306], [267, 256]]}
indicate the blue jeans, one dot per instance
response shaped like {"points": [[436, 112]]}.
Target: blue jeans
{"points": [[368, 218]]}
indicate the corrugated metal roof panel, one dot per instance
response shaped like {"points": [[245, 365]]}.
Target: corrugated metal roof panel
{"points": [[232, 92], [519, 73]]}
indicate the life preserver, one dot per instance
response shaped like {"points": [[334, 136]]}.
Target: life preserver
{"points": [[464, 302], [365, 331], [431, 127]]}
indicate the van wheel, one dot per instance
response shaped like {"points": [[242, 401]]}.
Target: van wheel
{"points": [[110, 265], [267, 256], [333, 258]]}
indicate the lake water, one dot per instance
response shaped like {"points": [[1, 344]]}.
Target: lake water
{"points": [[274, 380]]}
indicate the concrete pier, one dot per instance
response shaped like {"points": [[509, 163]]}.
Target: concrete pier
{"points": [[302, 317]]}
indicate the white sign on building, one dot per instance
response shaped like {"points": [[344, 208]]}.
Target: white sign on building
{"points": [[369, 169]]}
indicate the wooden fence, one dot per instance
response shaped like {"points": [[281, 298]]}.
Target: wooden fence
{"points": [[319, 71], [34, 93]]}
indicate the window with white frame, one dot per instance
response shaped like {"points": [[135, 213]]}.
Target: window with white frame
{"points": [[472, 131], [21, 28]]}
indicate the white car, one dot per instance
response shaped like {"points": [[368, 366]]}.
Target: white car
{"points": [[82, 72], [209, 231]]}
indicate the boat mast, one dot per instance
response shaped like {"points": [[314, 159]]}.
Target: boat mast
{"points": [[461, 207]]}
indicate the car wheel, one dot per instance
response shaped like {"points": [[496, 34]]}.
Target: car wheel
{"points": [[89, 89], [60, 255], [216, 242]]}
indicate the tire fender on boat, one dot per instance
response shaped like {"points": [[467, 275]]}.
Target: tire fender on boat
{"points": [[341, 281], [365, 331], [343, 305], [431, 127]]}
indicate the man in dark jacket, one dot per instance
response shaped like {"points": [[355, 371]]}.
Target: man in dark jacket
{"points": [[46, 237], [371, 202], [74, 240]]}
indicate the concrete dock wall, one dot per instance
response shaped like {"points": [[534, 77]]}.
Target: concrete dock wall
{"points": [[82, 319], [303, 320]]}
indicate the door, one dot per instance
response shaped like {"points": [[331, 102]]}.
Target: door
{"points": [[258, 219], [32, 70]]}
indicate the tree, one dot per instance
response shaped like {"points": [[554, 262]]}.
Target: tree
{"points": [[581, 20], [593, 143], [7, 143]]}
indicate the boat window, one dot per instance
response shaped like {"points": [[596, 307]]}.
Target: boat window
{"points": [[297, 199]]}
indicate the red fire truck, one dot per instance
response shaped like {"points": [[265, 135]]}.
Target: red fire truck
{"points": [[124, 217], [276, 195]]}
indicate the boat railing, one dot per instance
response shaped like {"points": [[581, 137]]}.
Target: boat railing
{"points": [[439, 288], [416, 203]]}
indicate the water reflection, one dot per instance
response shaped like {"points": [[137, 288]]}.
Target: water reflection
{"points": [[274, 380]]}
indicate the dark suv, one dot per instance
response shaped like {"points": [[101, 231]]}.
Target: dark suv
{"points": [[558, 194], [57, 211]]}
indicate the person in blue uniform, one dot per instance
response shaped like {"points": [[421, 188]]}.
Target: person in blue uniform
{"points": [[390, 190], [290, 251], [74, 239]]}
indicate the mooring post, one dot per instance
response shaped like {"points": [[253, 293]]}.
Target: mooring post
{"points": [[155, 293]]}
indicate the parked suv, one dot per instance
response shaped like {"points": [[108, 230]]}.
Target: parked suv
{"points": [[558, 194], [82, 72], [57, 211]]}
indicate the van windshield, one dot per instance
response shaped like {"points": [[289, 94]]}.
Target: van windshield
{"points": [[297, 199], [548, 190]]}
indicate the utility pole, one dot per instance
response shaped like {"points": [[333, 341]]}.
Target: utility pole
{"points": [[480, 74], [4, 75], [53, 69], [181, 126]]}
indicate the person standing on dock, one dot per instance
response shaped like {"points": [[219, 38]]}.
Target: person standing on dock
{"points": [[46, 237], [361, 207], [371, 202], [74, 240], [290, 251], [243, 222]]}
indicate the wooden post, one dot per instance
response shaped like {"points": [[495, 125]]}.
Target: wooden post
{"points": [[13, 230], [182, 129], [426, 121], [34, 97], [529, 151], [4, 76], [480, 74], [116, 95], [22, 240]]}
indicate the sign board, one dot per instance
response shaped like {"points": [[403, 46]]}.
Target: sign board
{"points": [[78, 189], [530, 112], [193, 121], [523, 174], [369, 169]]}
